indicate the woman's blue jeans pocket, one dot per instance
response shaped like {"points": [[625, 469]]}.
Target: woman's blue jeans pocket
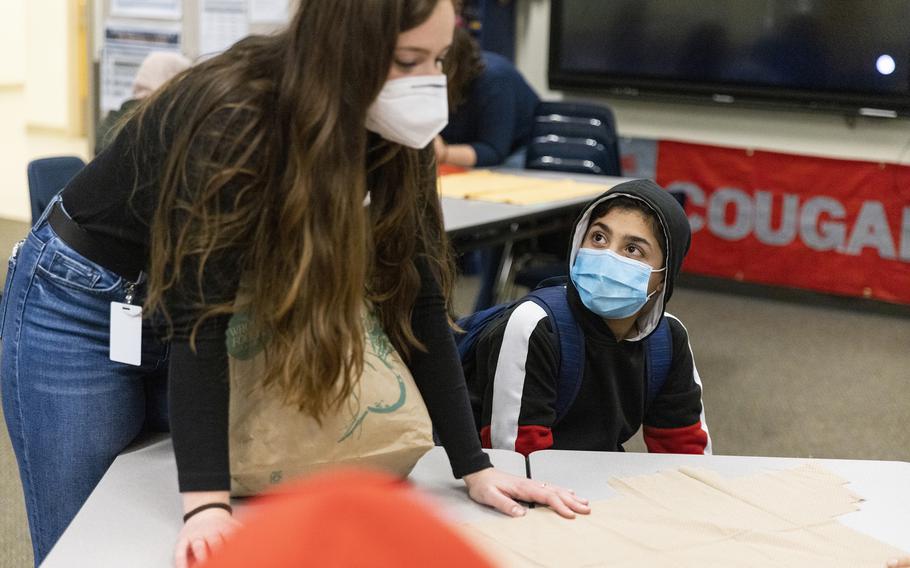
{"points": [[68, 269], [10, 272]]}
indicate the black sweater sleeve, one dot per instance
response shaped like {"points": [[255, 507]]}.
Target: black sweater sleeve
{"points": [[439, 376], [198, 397], [199, 385]]}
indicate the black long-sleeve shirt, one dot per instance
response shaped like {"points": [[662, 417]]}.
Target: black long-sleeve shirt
{"points": [[102, 200]]}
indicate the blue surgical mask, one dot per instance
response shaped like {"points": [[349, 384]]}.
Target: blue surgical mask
{"points": [[610, 285]]}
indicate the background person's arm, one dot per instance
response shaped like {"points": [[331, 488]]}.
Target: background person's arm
{"points": [[495, 133], [462, 155]]}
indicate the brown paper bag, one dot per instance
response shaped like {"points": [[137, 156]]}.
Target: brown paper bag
{"points": [[384, 424]]}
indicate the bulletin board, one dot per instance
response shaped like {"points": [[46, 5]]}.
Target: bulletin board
{"points": [[125, 31]]}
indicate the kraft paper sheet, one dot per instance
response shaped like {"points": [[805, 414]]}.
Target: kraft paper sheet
{"points": [[696, 518]]}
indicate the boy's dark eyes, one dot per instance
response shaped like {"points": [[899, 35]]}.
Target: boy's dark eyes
{"points": [[599, 238], [634, 249]]}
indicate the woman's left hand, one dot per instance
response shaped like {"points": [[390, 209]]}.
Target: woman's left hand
{"points": [[499, 490], [899, 562]]}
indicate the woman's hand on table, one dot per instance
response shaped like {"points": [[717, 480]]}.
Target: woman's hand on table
{"points": [[202, 535], [899, 562], [205, 530], [501, 490]]}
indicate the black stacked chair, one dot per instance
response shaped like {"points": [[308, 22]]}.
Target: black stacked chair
{"points": [[574, 137], [47, 176]]}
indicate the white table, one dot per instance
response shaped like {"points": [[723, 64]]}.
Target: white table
{"points": [[467, 217], [885, 485], [133, 516]]}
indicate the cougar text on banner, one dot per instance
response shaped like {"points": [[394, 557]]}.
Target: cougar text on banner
{"points": [[829, 225]]}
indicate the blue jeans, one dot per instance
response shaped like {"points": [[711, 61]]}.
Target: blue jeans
{"points": [[69, 409]]}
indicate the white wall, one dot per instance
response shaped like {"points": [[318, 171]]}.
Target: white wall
{"points": [[12, 44], [13, 189], [886, 140], [19, 147], [12, 124], [47, 64], [34, 92]]}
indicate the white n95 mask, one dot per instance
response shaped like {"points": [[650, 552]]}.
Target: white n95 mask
{"points": [[410, 110]]}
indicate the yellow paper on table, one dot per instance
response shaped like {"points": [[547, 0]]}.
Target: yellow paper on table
{"points": [[696, 518], [485, 185], [556, 190], [474, 184]]}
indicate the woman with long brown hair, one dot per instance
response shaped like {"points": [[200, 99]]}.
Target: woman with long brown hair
{"points": [[257, 162]]}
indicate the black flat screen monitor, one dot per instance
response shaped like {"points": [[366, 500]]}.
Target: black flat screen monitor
{"points": [[827, 54]]}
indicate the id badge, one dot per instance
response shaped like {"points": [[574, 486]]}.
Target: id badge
{"points": [[126, 333]]}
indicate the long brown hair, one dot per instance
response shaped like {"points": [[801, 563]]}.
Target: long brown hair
{"points": [[267, 161], [464, 64]]}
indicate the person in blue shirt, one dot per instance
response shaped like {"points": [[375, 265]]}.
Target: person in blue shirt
{"points": [[491, 108]]}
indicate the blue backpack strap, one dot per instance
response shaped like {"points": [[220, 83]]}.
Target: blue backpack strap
{"points": [[658, 355], [473, 325], [571, 343]]}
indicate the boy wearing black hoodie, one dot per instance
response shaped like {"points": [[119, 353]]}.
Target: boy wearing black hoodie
{"points": [[626, 251]]}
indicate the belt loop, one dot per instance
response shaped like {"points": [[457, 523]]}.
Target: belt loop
{"points": [[47, 210]]}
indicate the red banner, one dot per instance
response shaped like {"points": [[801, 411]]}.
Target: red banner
{"points": [[837, 226]]}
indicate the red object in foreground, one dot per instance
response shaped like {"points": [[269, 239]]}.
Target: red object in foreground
{"points": [[445, 169], [342, 519]]}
